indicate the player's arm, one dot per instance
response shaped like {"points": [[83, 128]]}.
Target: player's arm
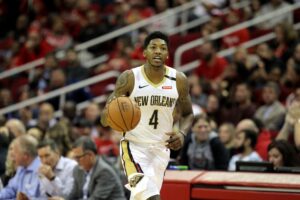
{"points": [[184, 104], [124, 87]]}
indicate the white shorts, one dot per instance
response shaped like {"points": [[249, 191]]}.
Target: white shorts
{"points": [[151, 160]]}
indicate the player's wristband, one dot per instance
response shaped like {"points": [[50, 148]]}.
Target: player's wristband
{"points": [[182, 133]]}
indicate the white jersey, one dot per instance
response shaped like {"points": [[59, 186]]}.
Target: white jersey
{"points": [[157, 103]]}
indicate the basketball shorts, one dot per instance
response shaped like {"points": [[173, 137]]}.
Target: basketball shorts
{"points": [[147, 160]]}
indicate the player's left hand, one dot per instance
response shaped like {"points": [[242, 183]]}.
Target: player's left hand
{"points": [[175, 141]]}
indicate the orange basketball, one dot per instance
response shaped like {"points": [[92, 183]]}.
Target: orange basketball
{"points": [[123, 114]]}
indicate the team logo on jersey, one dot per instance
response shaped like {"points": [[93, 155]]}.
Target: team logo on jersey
{"points": [[167, 87]]}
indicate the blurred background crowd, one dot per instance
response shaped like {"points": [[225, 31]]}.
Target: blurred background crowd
{"points": [[247, 104]]}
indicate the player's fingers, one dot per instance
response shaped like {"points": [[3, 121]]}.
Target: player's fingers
{"points": [[171, 134], [171, 139]]}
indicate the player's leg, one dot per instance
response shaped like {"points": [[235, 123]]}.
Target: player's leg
{"points": [[137, 162], [130, 164]]}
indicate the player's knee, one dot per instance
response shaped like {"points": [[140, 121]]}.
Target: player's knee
{"points": [[156, 197]]}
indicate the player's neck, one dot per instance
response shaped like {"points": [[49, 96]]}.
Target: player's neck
{"points": [[154, 74]]}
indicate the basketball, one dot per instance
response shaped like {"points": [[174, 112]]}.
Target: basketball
{"points": [[123, 114]]}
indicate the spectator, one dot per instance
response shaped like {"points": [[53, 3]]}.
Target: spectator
{"points": [[136, 54], [206, 7], [42, 77], [227, 135], [57, 80], [106, 146], [57, 36], [94, 28], [20, 31], [15, 127], [241, 67], [101, 180], [68, 118], [36, 133], [5, 98], [74, 70], [285, 41], [83, 127], [291, 124], [211, 66], [35, 47], [46, 117], [245, 143], [291, 79], [25, 114], [139, 10], [10, 166], [25, 157], [271, 6], [265, 64], [212, 108], [241, 107], [198, 95], [4, 143], [204, 150], [282, 154], [92, 114], [50, 128], [56, 171], [264, 137], [238, 37], [272, 112], [165, 24]]}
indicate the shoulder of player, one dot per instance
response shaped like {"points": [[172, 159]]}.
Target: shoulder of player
{"points": [[181, 79], [124, 83], [181, 83]]}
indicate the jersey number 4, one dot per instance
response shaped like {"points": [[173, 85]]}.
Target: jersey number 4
{"points": [[154, 119]]}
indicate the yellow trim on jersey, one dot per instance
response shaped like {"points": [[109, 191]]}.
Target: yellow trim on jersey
{"points": [[128, 163], [150, 82]]}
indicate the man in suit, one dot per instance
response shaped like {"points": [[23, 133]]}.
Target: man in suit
{"points": [[94, 178]]}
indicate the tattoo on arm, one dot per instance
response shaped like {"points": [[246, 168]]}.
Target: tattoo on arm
{"points": [[123, 87], [184, 99], [185, 104]]}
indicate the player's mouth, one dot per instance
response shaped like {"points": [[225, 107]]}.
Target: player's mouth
{"points": [[157, 59]]}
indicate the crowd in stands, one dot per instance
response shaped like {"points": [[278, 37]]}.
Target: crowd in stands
{"points": [[246, 106]]}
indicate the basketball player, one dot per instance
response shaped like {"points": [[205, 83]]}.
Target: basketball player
{"points": [[157, 89]]}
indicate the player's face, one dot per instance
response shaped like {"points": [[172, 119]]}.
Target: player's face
{"points": [[156, 52]]}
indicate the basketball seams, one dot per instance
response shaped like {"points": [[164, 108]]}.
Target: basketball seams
{"points": [[111, 119], [124, 122], [122, 117]]}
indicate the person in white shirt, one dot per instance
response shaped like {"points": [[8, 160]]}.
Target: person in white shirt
{"points": [[245, 142], [56, 171]]}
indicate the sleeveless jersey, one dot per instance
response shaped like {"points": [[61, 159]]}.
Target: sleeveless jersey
{"points": [[157, 103]]}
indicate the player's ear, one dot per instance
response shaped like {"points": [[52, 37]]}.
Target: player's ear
{"points": [[144, 53]]}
